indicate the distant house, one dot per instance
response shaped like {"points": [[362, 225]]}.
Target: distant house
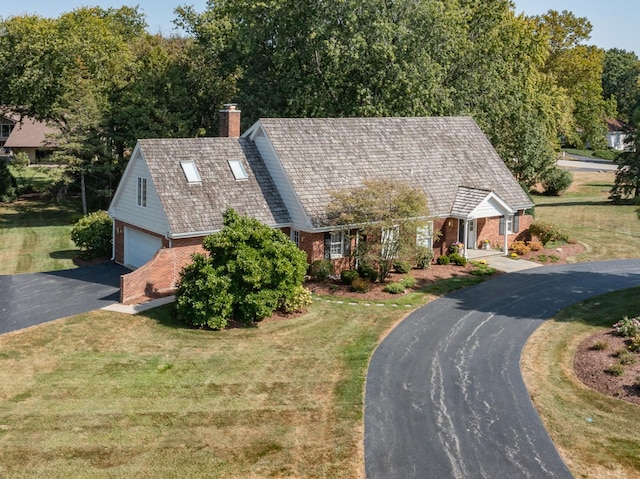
{"points": [[616, 135], [24, 134], [281, 171]]}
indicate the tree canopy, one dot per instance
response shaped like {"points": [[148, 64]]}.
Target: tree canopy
{"points": [[529, 82], [389, 215]]}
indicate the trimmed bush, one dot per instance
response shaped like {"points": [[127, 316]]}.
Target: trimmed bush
{"points": [[394, 288], [458, 259], [321, 269], [408, 281], [556, 182], [520, 248], [299, 299], [361, 285], [424, 257], [402, 267], [443, 259], [93, 235], [535, 245], [547, 232], [368, 272], [348, 275]]}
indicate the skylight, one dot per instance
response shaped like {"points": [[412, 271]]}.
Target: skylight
{"points": [[238, 170], [190, 171]]}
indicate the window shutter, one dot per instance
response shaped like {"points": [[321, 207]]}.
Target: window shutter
{"points": [[502, 225], [516, 223], [346, 238], [327, 245]]}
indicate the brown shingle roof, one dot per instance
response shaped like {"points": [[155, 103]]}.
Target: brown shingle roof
{"points": [[199, 207], [29, 133], [436, 154]]}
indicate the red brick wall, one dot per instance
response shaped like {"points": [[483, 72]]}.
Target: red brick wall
{"points": [[160, 275], [487, 228]]}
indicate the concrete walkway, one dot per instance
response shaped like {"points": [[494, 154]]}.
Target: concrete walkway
{"points": [[139, 308], [497, 260]]}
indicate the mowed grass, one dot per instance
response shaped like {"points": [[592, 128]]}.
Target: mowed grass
{"points": [[607, 231], [111, 395], [35, 235], [107, 395], [596, 435]]}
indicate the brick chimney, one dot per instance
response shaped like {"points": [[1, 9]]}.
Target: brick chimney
{"points": [[230, 121]]}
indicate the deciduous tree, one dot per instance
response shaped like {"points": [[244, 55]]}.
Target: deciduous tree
{"points": [[388, 214]]}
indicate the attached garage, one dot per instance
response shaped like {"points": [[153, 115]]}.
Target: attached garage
{"points": [[139, 247]]}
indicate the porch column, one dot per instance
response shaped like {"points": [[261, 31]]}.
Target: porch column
{"points": [[466, 237], [505, 249]]}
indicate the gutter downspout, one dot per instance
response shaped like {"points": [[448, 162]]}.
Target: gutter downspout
{"points": [[113, 239]]}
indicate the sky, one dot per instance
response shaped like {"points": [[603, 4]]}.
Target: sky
{"points": [[614, 23]]}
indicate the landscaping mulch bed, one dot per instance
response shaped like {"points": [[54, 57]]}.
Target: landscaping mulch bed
{"points": [[424, 277], [591, 366]]}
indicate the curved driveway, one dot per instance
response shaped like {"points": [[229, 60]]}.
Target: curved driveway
{"points": [[444, 393], [34, 298]]}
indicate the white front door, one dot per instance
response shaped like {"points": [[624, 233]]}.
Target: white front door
{"points": [[472, 237]]}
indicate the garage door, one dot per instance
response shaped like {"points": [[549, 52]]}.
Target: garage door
{"points": [[139, 247]]}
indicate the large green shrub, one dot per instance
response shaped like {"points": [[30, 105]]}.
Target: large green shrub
{"points": [[93, 235], [251, 270], [547, 232], [556, 182]]}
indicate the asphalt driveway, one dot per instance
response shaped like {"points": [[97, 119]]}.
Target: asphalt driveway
{"points": [[34, 298], [444, 393]]}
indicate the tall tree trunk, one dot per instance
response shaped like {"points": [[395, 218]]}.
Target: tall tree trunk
{"points": [[84, 193]]}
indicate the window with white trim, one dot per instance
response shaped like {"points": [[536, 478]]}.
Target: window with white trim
{"points": [[142, 191], [424, 235], [336, 249], [512, 223], [190, 171], [295, 237], [389, 241]]}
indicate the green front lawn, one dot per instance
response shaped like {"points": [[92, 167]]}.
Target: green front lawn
{"points": [[607, 231], [597, 435], [110, 395], [35, 236]]}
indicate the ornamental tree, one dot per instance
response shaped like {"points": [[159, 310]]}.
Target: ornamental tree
{"points": [[250, 271], [388, 223]]}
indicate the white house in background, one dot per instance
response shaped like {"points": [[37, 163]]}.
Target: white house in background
{"points": [[616, 135]]}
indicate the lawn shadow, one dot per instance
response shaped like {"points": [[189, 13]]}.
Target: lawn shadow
{"points": [[70, 254], [576, 203]]}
